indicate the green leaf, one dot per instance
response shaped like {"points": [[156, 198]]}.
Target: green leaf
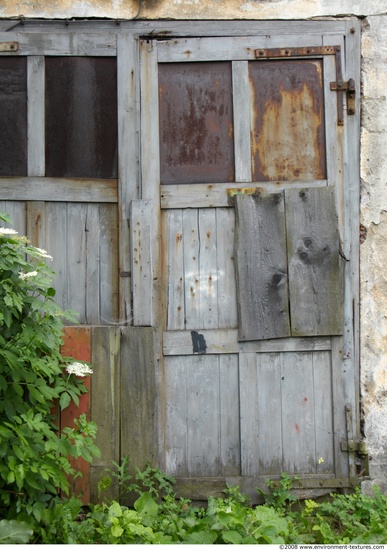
{"points": [[14, 532], [146, 506], [117, 531], [233, 537], [201, 537], [64, 400], [51, 291], [115, 510]]}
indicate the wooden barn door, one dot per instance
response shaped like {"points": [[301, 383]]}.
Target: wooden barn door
{"points": [[245, 151]]}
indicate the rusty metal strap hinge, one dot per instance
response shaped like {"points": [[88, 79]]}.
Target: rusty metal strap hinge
{"points": [[338, 86], [348, 87], [9, 46]]}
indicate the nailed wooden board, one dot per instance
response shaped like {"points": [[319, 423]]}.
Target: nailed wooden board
{"points": [[141, 258], [226, 341], [58, 189], [261, 267], [139, 400], [315, 264]]}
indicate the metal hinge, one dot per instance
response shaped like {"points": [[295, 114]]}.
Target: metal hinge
{"points": [[9, 46], [356, 448], [348, 87]]}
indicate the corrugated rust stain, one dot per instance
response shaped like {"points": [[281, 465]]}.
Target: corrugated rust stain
{"points": [[288, 132], [196, 125]]}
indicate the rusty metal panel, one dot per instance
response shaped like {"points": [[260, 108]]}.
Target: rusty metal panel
{"points": [[13, 116], [196, 124], [288, 133], [81, 117]]}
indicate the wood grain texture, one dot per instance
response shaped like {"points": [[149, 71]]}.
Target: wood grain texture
{"points": [[139, 399], [105, 394], [105, 404], [141, 257], [315, 264], [261, 267], [226, 341], [202, 415], [203, 195], [36, 130]]}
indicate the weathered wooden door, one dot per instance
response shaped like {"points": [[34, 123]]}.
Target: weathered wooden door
{"points": [[248, 224]]}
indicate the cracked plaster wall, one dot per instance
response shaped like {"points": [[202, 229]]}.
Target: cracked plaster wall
{"points": [[373, 155]]}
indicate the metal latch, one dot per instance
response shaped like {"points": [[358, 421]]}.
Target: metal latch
{"points": [[348, 87], [9, 46], [356, 449]]}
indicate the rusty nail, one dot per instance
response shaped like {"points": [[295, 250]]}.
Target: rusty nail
{"points": [[261, 52], [353, 30]]}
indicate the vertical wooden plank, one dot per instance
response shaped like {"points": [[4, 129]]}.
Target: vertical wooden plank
{"points": [[298, 424], [227, 304], [92, 265], [269, 416], [230, 450], [175, 255], [76, 254], [141, 256], [315, 264], [351, 351], [241, 109], [56, 242], [191, 267], [248, 414], [35, 109], [323, 412], [208, 281], [36, 223], [17, 212], [108, 264], [77, 344], [105, 400], [261, 267], [340, 379], [203, 416], [128, 90], [176, 442], [139, 396], [151, 159]]}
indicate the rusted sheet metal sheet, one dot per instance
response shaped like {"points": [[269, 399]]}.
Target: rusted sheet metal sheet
{"points": [[81, 128], [13, 116], [295, 52], [196, 125], [77, 344], [288, 134]]}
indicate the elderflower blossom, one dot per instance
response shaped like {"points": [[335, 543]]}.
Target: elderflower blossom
{"points": [[6, 231], [23, 276], [43, 253], [79, 369]]}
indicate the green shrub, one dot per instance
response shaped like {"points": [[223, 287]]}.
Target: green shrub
{"points": [[34, 454]]}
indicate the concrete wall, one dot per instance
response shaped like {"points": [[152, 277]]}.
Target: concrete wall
{"points": [[373, 155]]}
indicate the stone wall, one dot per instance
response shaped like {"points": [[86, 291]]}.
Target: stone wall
{"points": [[373, 154]]}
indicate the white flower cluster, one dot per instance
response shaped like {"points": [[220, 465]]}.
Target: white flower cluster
{"points": [[5, 231], [23, 276], [79, 369], [43, 253]]}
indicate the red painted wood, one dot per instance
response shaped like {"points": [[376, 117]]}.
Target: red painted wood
{"points": [[77, 344]]}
